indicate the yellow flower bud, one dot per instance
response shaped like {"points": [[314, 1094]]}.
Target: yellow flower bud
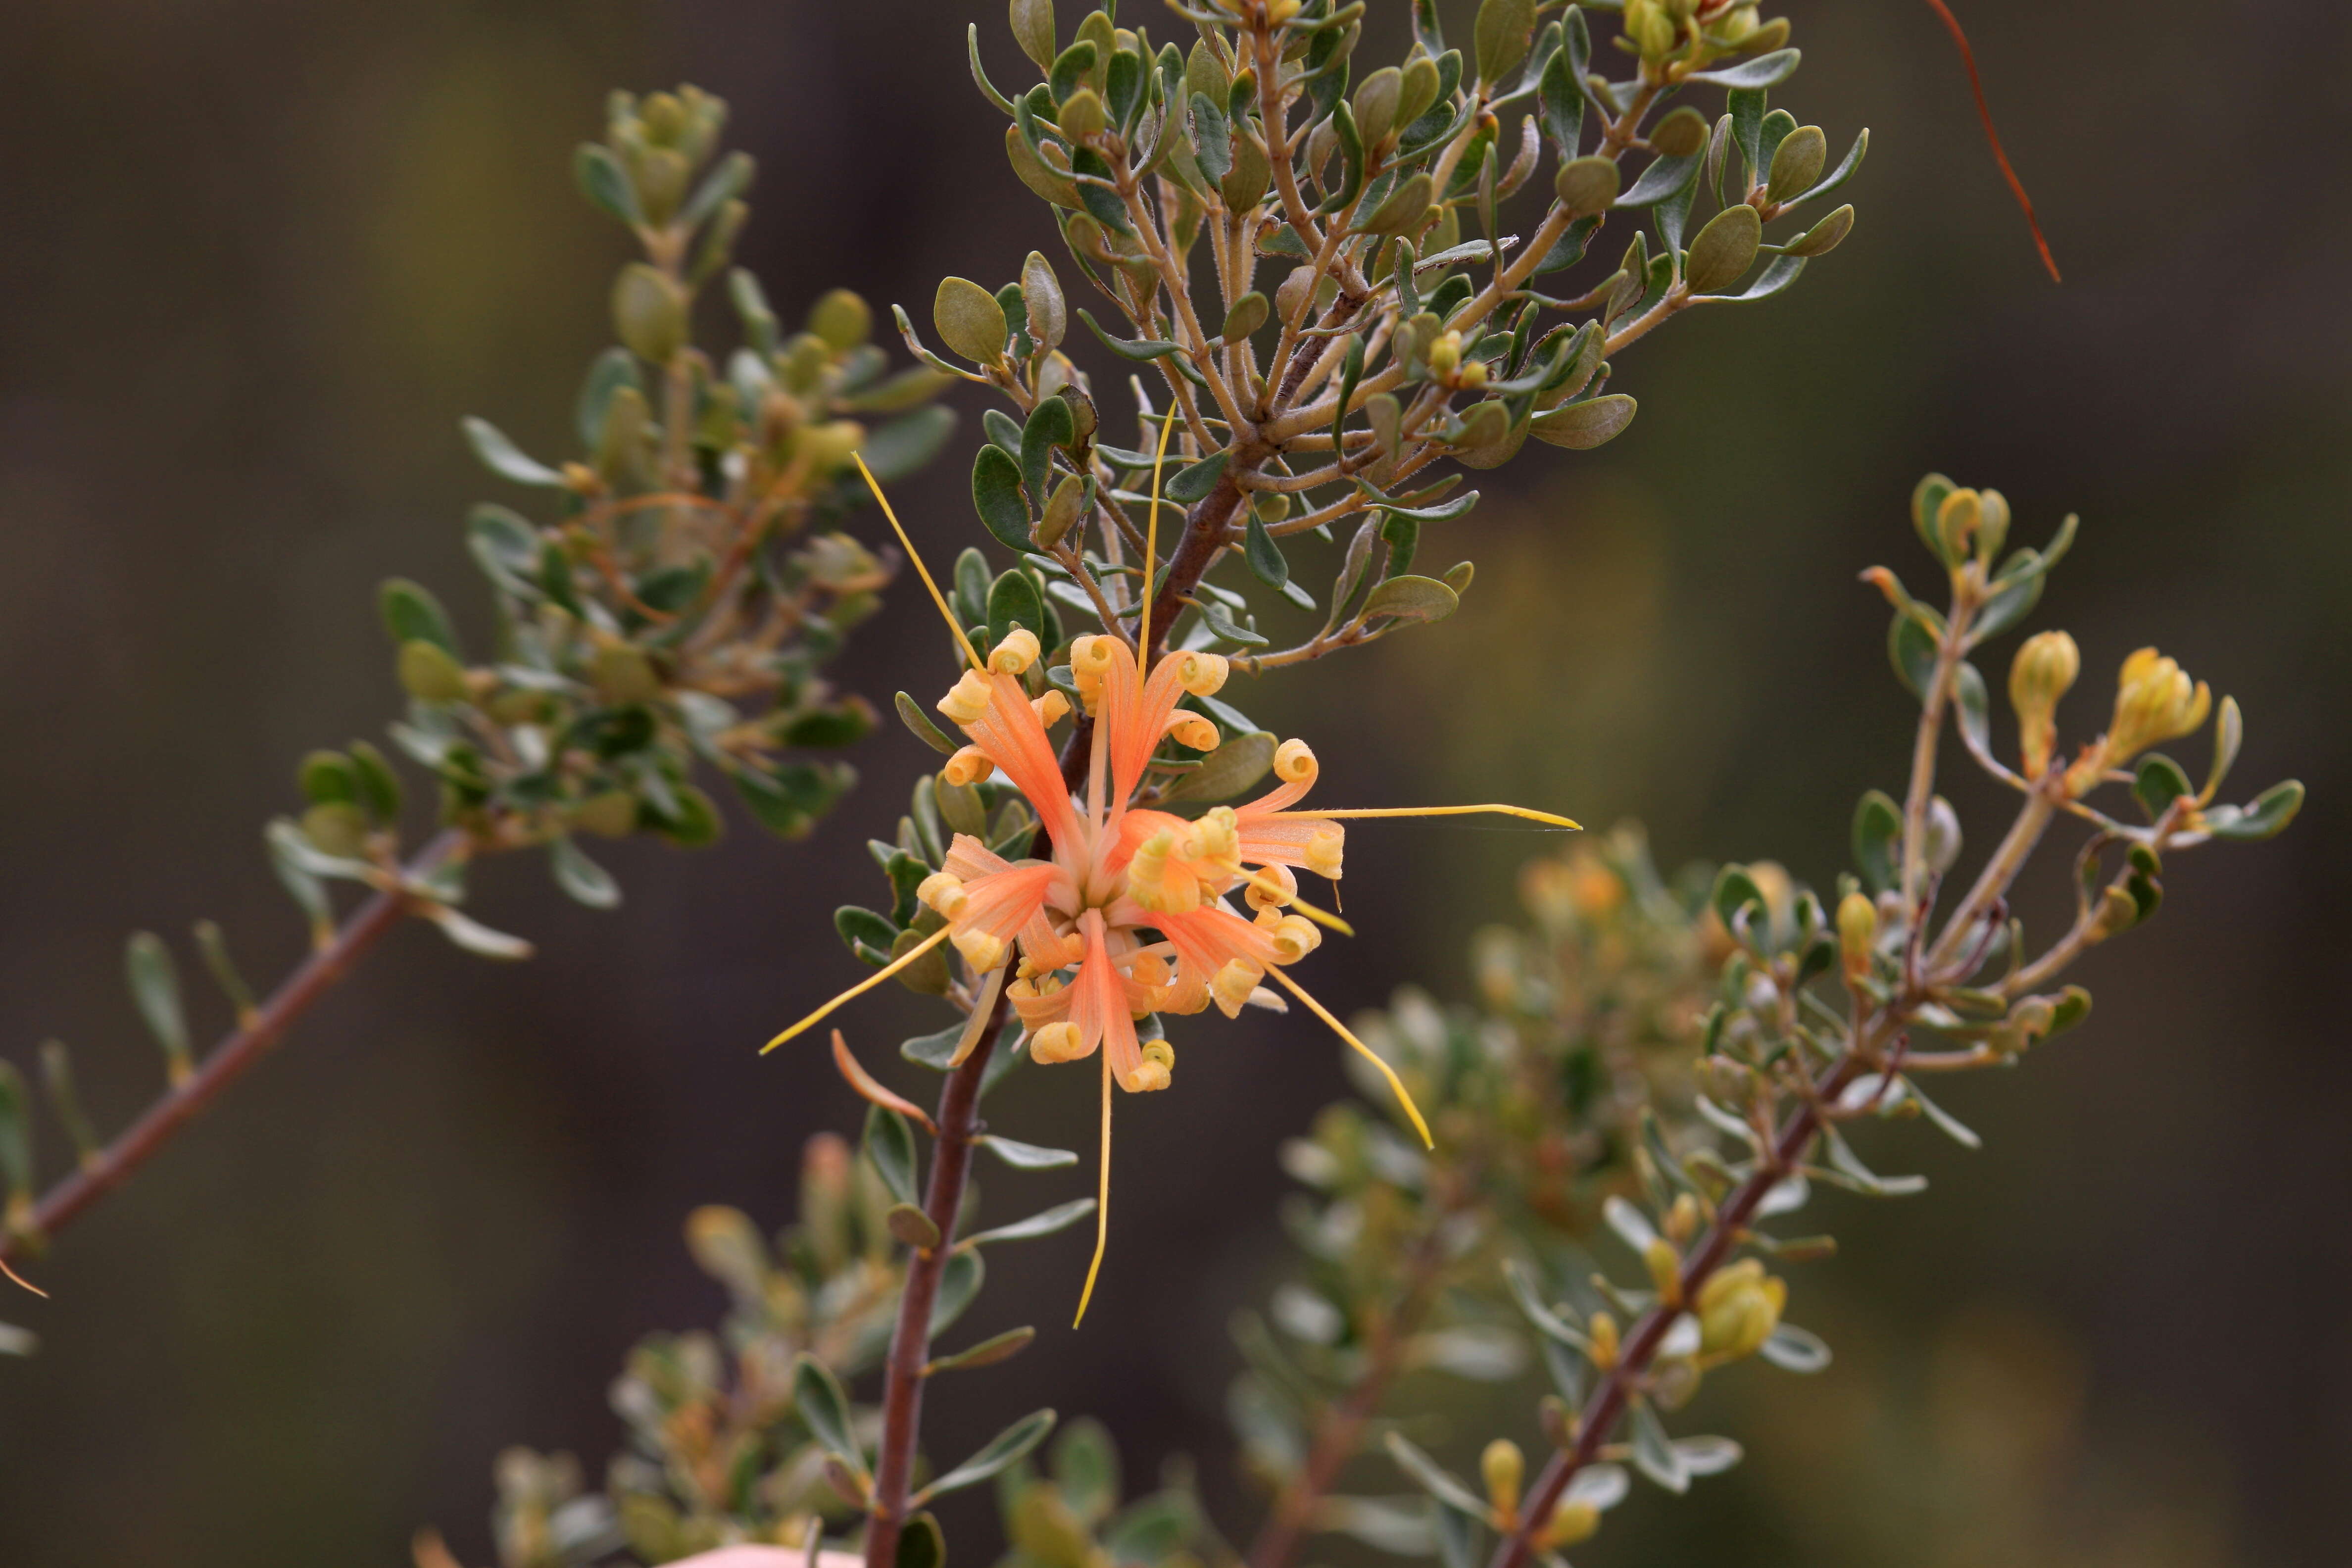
{"points": [[1572, 1522], [1445, 355], [1665, 1268], [1682, 1219], [1738, 1309], [1604, 1341], [2154, 701], [1857, 923], [1504, 1468], [2045, 666]]}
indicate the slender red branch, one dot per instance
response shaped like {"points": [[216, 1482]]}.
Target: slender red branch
{"points": [[1608, 1403], [138, 1143], [1984, 114]]}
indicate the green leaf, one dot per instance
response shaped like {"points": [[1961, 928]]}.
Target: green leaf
{"points": [[1431, 1477], [1750, 75], [2157, 783], [933, 1051], [1021, 1157], [911, 1226], [969, 321], [905, 444], [1195, 481], [1263, 555], [1500, 37], [1877, 840], [1972, 706], [1793, 1349], [996, 496], [1548, 1324], [920, 1542], [411, 613], [604, 184], [1226, 772], [2268, 816], [16, 1170], [1443, 511], [156, 987], [889, 1144], [988, 1353], [1911, 648], [959, 1281], [506, 460], [1222, 625], [1735, 891], [1014, 600], [823, 1409], [1141, 349], [1051, 425], [1000, 1453], [1653, 1452], [477, 938], [1410, 598], [1846, 169], [918, 723], [1060, 1218], [579, 876], [1580, 427], [1664, 177]]}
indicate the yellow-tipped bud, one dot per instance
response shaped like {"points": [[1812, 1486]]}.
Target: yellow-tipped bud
{"points": [[2154, 701], [1858, 924], [1051, 707], [1738, 1309], [1682, 1219], [1504, 1469], [968, 766], [945, 893], [1603, 1347], [967, 699], [1194, 731], [1325, 851], [1665, 1267], [2045, 666], [1015, 654], [1262, 899], [1445, 355], [1294, 763], [1572, 1522], [1055, 1043]]}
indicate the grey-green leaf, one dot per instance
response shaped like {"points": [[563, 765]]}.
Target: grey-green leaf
{"points": [[504, 458], [1001, 1452], [1027, 1156], [1061, 1216], [823, 1409], [579, 876], [1410, 598]]}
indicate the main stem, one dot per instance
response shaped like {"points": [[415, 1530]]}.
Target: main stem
{"points": [[911, 1341], [1607, 1404], [115, 1165], [902, 1388]]}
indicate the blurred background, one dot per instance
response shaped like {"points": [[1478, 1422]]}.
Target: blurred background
{"points": [[264, 254]]}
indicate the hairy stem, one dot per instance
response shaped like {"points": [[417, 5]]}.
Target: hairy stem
{"points": [[313, 978]]}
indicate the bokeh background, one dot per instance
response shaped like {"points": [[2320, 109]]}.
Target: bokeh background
{"points": [[261, 254]]}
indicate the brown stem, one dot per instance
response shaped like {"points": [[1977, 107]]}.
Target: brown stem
{"points": [[902, 1388], [138, 1143], [1340, 1432], [911, 1341], [1608, 1403]]}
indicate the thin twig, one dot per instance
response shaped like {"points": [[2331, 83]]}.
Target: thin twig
{"points": [[120, 1159]]}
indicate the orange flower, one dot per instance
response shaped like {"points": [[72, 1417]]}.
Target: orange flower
{"points": [[1132, 915]]}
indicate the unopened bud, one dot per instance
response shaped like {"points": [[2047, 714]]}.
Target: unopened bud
{"points": [[649, 312], [1061, 510], [1445, 355], [1738, 1308], [1857, 923], [1603, 1337], [2154, 701], [1665, 1267], [1956, 524], [1682, 1219], [1576, 1520], [1943, 835], [1503, 1468], [2045, 666], [428, 674]]}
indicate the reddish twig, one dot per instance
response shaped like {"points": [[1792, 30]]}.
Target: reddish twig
{"points": [[138, 1143], [1976, 86]]}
